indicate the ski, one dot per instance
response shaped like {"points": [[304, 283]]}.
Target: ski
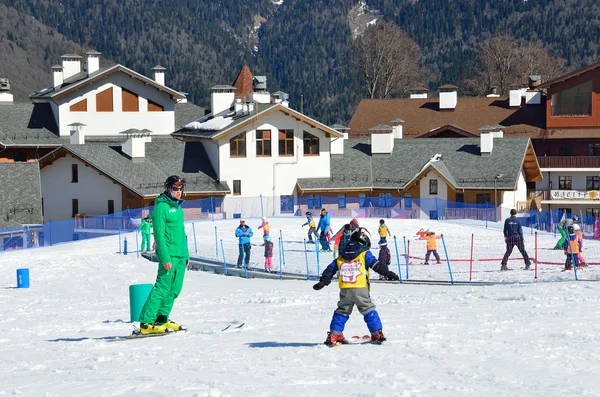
{"points": [[137, 335], [360, 339], [232, 326]]}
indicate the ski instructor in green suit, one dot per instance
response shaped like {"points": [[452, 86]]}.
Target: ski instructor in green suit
{"points": [[173, 258]]}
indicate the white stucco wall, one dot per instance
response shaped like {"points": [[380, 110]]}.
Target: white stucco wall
{"points": [[509, 199], [93, 190], [428, 202], [111, 123], [272, 176]]}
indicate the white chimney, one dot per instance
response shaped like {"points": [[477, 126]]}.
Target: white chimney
{"points": [[514, 96], [159, 74], [5, 95], [238, 106], [382, 139], [487, 135], [77, 134], [418, 93], [221, 98], [250, 107], [285, 104], [93, 61], [337, 144], [134, 145], [533, 97], [71, 64], [57, 75], [448, 97], [260, 97], [397, 128]]}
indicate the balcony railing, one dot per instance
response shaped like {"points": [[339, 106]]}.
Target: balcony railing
{"points": [[572, 110], [569, 161]]}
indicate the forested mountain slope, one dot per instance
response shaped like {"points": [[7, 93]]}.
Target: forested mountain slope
{"points": [[302, 46]]}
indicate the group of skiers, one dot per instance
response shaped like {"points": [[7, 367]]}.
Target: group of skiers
{"points": [[351, 264]]}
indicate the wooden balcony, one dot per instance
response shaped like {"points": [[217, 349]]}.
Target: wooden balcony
{"points": [[569, 161]]}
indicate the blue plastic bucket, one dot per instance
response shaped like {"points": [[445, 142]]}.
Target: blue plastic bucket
{"points": [[22, 278], [138, 294]]}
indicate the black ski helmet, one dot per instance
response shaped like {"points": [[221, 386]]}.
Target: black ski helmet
{"points": [[308, 213], [174, 180], [361, 236], [570, 230]]}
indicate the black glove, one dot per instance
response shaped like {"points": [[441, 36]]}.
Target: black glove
{"points": [[322, 283], [319, 286], [392, 276]]}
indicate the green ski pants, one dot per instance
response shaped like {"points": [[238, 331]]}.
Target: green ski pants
{"points": [[166, 289], [145, 242], [563, 238]]}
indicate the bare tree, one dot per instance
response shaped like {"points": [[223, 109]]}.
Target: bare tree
{"points": [[503, 60], [387, 59]]}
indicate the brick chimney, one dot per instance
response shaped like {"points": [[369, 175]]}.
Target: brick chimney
{"points": [[71, 64], [448, 97]]}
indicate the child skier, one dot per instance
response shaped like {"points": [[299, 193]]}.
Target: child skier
{"points": [[312, 228], [352, 267], [384, 231], [325, 227], [572, 248], [268, 254], [385, 257], [431, 247], [145, 228], [579, 234], [265, 227]]}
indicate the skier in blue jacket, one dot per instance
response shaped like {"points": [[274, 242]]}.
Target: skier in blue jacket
{"points": [[243, 233], [324, 224], [352, 267]]}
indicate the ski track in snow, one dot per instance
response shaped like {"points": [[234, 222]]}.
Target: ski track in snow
{"points": [[531, 338]]}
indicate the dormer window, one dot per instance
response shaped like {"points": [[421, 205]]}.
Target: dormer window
{"points": [[237, 145], [311, 144]]}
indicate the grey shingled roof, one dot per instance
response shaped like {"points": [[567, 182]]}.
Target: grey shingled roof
{"points": [[258, 109], [461, 164], [23, 123], [186, 113], [21, 202], [67, 83], [164, 156]]}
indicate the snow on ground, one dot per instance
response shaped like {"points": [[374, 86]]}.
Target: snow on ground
{"points": [[521, 337]]}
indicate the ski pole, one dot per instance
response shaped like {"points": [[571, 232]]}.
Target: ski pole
{"points": [[306, 259], [447, 260], [216, 243], [224, 261], [406, 253], [195, 243], [282, 251], [398, 260], [281, 263]]}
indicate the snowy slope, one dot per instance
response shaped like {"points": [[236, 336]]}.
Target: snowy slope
{"points": [[533, 338]]}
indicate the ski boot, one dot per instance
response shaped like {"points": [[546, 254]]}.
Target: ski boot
{"points": [[153, 328], [528, 266], [438, 263], [169, 324], [334, 340], [377, 337], [503, 267], [426, 263]]}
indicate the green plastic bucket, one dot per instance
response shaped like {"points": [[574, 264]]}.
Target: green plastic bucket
{"points": [[138, 293]]}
